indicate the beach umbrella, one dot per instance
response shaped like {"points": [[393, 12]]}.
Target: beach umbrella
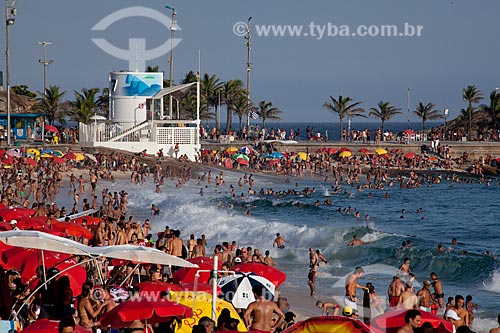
{"points": [[410, 155], [277, 277], [302, 155], [393, 320], [33, 151], [47, 151], [34, 222], [14, 153], [205, 152], [333, 324], [50, 326], [14, 213], [76, 275], [231, 150], [273, 162], [276, 154], [201, 305], [59, 160], [343, 149], [142, 309], [5, 226], [29, 161], [70, 156], [246, 150], [432, 159], [396, 151], [332, 151], [188, 275], [58, 153], [265, 155], [46, 155], [228, 163], [237, 288], [73, 229], [91, 220], [79, 157], [364, 151], [241, 159], [91, 157], [497, 159], [380, 151], [386, 156], [345, 154], [50, 128]]}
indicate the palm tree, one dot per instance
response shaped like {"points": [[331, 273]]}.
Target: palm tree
{"points": [[342, 107], [243, 107], [154, 69], [268, 111], [232, 90], [384, 112], [50, 101], [426, 112], [210, 87], [103, 102], [472, 95], [493, 108], [85, 104]]}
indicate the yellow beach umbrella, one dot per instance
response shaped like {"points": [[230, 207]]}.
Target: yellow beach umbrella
{"points": [[232, 150], [33, 151], [201, 303], [79, 156], [46, 155], [345, 154], [381, 151], [302, 155]]}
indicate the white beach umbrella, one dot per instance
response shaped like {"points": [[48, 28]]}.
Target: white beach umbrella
{"points": [[140, 254], [237, 288], [43, 241], [97, 117]]}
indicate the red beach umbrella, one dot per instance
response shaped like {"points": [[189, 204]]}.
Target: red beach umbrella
{"points": [[364, 151], [344, 149], [30, 161], [158, 286], [272, 274], [187, 275], [396, 151], [59, 160], [334, 324], [393, 320], [410, 155], [205, 287], [152, 311], [332, 151], [50, 326], [228, 163], [50, 128], [70, 156], [15, 213], [73, 229]]}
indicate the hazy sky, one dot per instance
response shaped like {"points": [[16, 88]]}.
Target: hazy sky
{"points": [[458, 46]]}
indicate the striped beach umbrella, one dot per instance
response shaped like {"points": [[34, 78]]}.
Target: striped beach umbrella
{"points": [[237, 288]]}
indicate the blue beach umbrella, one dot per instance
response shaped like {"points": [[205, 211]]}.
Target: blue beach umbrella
{"points": [[47, 151], [276, 155]]}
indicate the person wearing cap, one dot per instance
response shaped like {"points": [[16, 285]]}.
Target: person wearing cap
{"points": [[13, 225], [452, 316], [347, 311], [425, 297]]}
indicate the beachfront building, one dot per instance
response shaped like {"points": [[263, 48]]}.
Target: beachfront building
{"points": [[139, 118]]}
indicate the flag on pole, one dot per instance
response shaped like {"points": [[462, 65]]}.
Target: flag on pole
{"points": [[254, 115]]}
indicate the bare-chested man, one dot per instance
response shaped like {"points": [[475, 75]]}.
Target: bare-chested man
{"points": [[461, 312], [395, 290], [278, 242], [497, 329], [351, 284], [259, 314], [356, 241], [100, 234], [408, 299], [438, 290], [175, 244], [313, 269], [412, 320], [121, 237], [405, 267], [424, 297]]}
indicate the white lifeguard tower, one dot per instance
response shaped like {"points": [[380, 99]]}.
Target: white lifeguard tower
{"points": [[137, 118]]}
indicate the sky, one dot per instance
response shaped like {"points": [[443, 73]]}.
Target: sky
{"points": [[458, 46]]}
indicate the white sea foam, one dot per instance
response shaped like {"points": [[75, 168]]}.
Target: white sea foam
{"points": [[493, 283]]}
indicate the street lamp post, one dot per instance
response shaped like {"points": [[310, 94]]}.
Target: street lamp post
{"points": [[408, 108], [10, 12], [249, 68], [444, 126], [45, 62], [171, 60]]}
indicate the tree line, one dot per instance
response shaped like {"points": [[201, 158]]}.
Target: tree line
{"points": [[345, 107]]}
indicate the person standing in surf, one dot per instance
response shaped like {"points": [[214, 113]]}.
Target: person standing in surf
{"points": [[278, 242], [350, 287]]}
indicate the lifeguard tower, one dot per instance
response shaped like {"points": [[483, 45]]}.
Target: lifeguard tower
{"points": [[138, 120]]}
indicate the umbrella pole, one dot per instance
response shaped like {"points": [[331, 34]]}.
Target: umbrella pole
{"points": [[44, 272], [128, 276], [214, 288]]}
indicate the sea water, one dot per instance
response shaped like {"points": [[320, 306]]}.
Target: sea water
{"points": [[467, 212]]}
